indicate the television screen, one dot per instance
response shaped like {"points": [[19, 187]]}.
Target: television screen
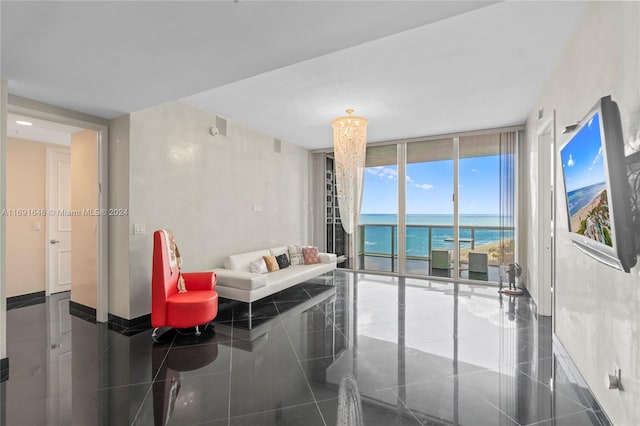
{"points": [[586, 183], [597, 188]]}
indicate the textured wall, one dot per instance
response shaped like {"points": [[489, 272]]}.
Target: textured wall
{"points": [[596, 312], [119, 225], [84, 228], [3, 222], [207, 189], [26, 167]]}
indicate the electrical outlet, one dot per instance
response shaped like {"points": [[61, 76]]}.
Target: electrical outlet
{"points": [[138, 229]]}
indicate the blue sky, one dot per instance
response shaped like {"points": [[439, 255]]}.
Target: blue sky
{"points": [[582, 160], [430, 186]]}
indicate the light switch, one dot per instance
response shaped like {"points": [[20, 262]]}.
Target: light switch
{"points": [[36, 226], [138, 229]]}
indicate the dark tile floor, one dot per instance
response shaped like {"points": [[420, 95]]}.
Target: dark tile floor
{"points": [[421, 353]]}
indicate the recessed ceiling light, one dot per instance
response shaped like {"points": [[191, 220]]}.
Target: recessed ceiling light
{"points": [[23, 123]]}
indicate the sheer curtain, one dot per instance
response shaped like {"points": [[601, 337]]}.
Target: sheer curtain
{"points": [[507, 197]]}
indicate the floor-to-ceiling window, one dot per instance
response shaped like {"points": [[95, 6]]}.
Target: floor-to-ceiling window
{"points": [[429, 208], [484, 235], [378, 229], [440, 207]]}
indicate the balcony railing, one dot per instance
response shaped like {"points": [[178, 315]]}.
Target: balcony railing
{"points": [[381, 240]]}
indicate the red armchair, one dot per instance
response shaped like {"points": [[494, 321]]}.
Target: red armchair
{"points": [[169, 307]]}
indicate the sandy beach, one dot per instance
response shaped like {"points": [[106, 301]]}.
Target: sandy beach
{"points": [[493, 250], [584, 211]]}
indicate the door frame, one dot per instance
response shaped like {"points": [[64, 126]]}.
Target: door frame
{"points": [[546, 138], [64, 117]]}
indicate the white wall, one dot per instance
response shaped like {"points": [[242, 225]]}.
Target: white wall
{"points": [[84, 228], [597, 307], [3, 204], [26, 189], [205, 189], [119, 225]]}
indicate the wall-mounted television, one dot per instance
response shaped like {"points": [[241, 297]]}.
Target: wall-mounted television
{"points": [[597, 188]]}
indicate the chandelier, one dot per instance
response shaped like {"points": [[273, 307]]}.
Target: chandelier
{"points": [[349, 144]]}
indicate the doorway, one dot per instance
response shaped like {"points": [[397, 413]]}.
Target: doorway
{"points": [[64, 167], [546, 216], [58, 261]]}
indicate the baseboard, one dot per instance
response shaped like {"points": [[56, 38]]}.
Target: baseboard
{"points": [[24, 300], [4, 369], [129, 326], [79, 310], [562, 356]]}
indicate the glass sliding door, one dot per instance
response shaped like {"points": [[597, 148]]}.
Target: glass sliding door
{"points": [[378, 228], [486, 240], [441, 208], [429, 208]]}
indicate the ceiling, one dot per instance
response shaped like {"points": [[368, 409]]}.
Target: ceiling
{"points": [[287, 69], [40, 130]]}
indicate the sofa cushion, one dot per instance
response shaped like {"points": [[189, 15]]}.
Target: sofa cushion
{"points": [[283, 261], [295, 255], [295, 274], [258, 266], [239, 279], [310, 255], [272, 263], [241, 262], [276, 251]]}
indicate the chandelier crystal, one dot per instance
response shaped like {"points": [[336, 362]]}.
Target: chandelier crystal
{"points": [[349, 143]]}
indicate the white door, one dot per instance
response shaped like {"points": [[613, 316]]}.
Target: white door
{"points": [[59, 220]]}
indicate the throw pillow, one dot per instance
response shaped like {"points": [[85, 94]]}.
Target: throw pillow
{"points": [[295, 255], [310, 255], [272, 264], [283, 261], [258, 266]]}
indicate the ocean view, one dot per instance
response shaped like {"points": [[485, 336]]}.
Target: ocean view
{"points": [[581, 197], [377, 239]]}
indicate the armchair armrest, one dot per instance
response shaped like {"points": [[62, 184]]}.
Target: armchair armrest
{"points": [[327, 257], [195, 281]]}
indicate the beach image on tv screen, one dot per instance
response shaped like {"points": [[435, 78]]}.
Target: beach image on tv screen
{"points": [[584, 180]]}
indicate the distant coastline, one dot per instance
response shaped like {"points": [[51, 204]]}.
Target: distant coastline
{"points": [[578, 198], [585, 211], [378, 238], [593, 220], [431, 219]]}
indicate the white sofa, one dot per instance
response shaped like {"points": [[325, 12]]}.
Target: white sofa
{"points": [[236, 282]]}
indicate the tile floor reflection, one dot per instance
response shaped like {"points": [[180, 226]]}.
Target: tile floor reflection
{"points": [[422, 353]]}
